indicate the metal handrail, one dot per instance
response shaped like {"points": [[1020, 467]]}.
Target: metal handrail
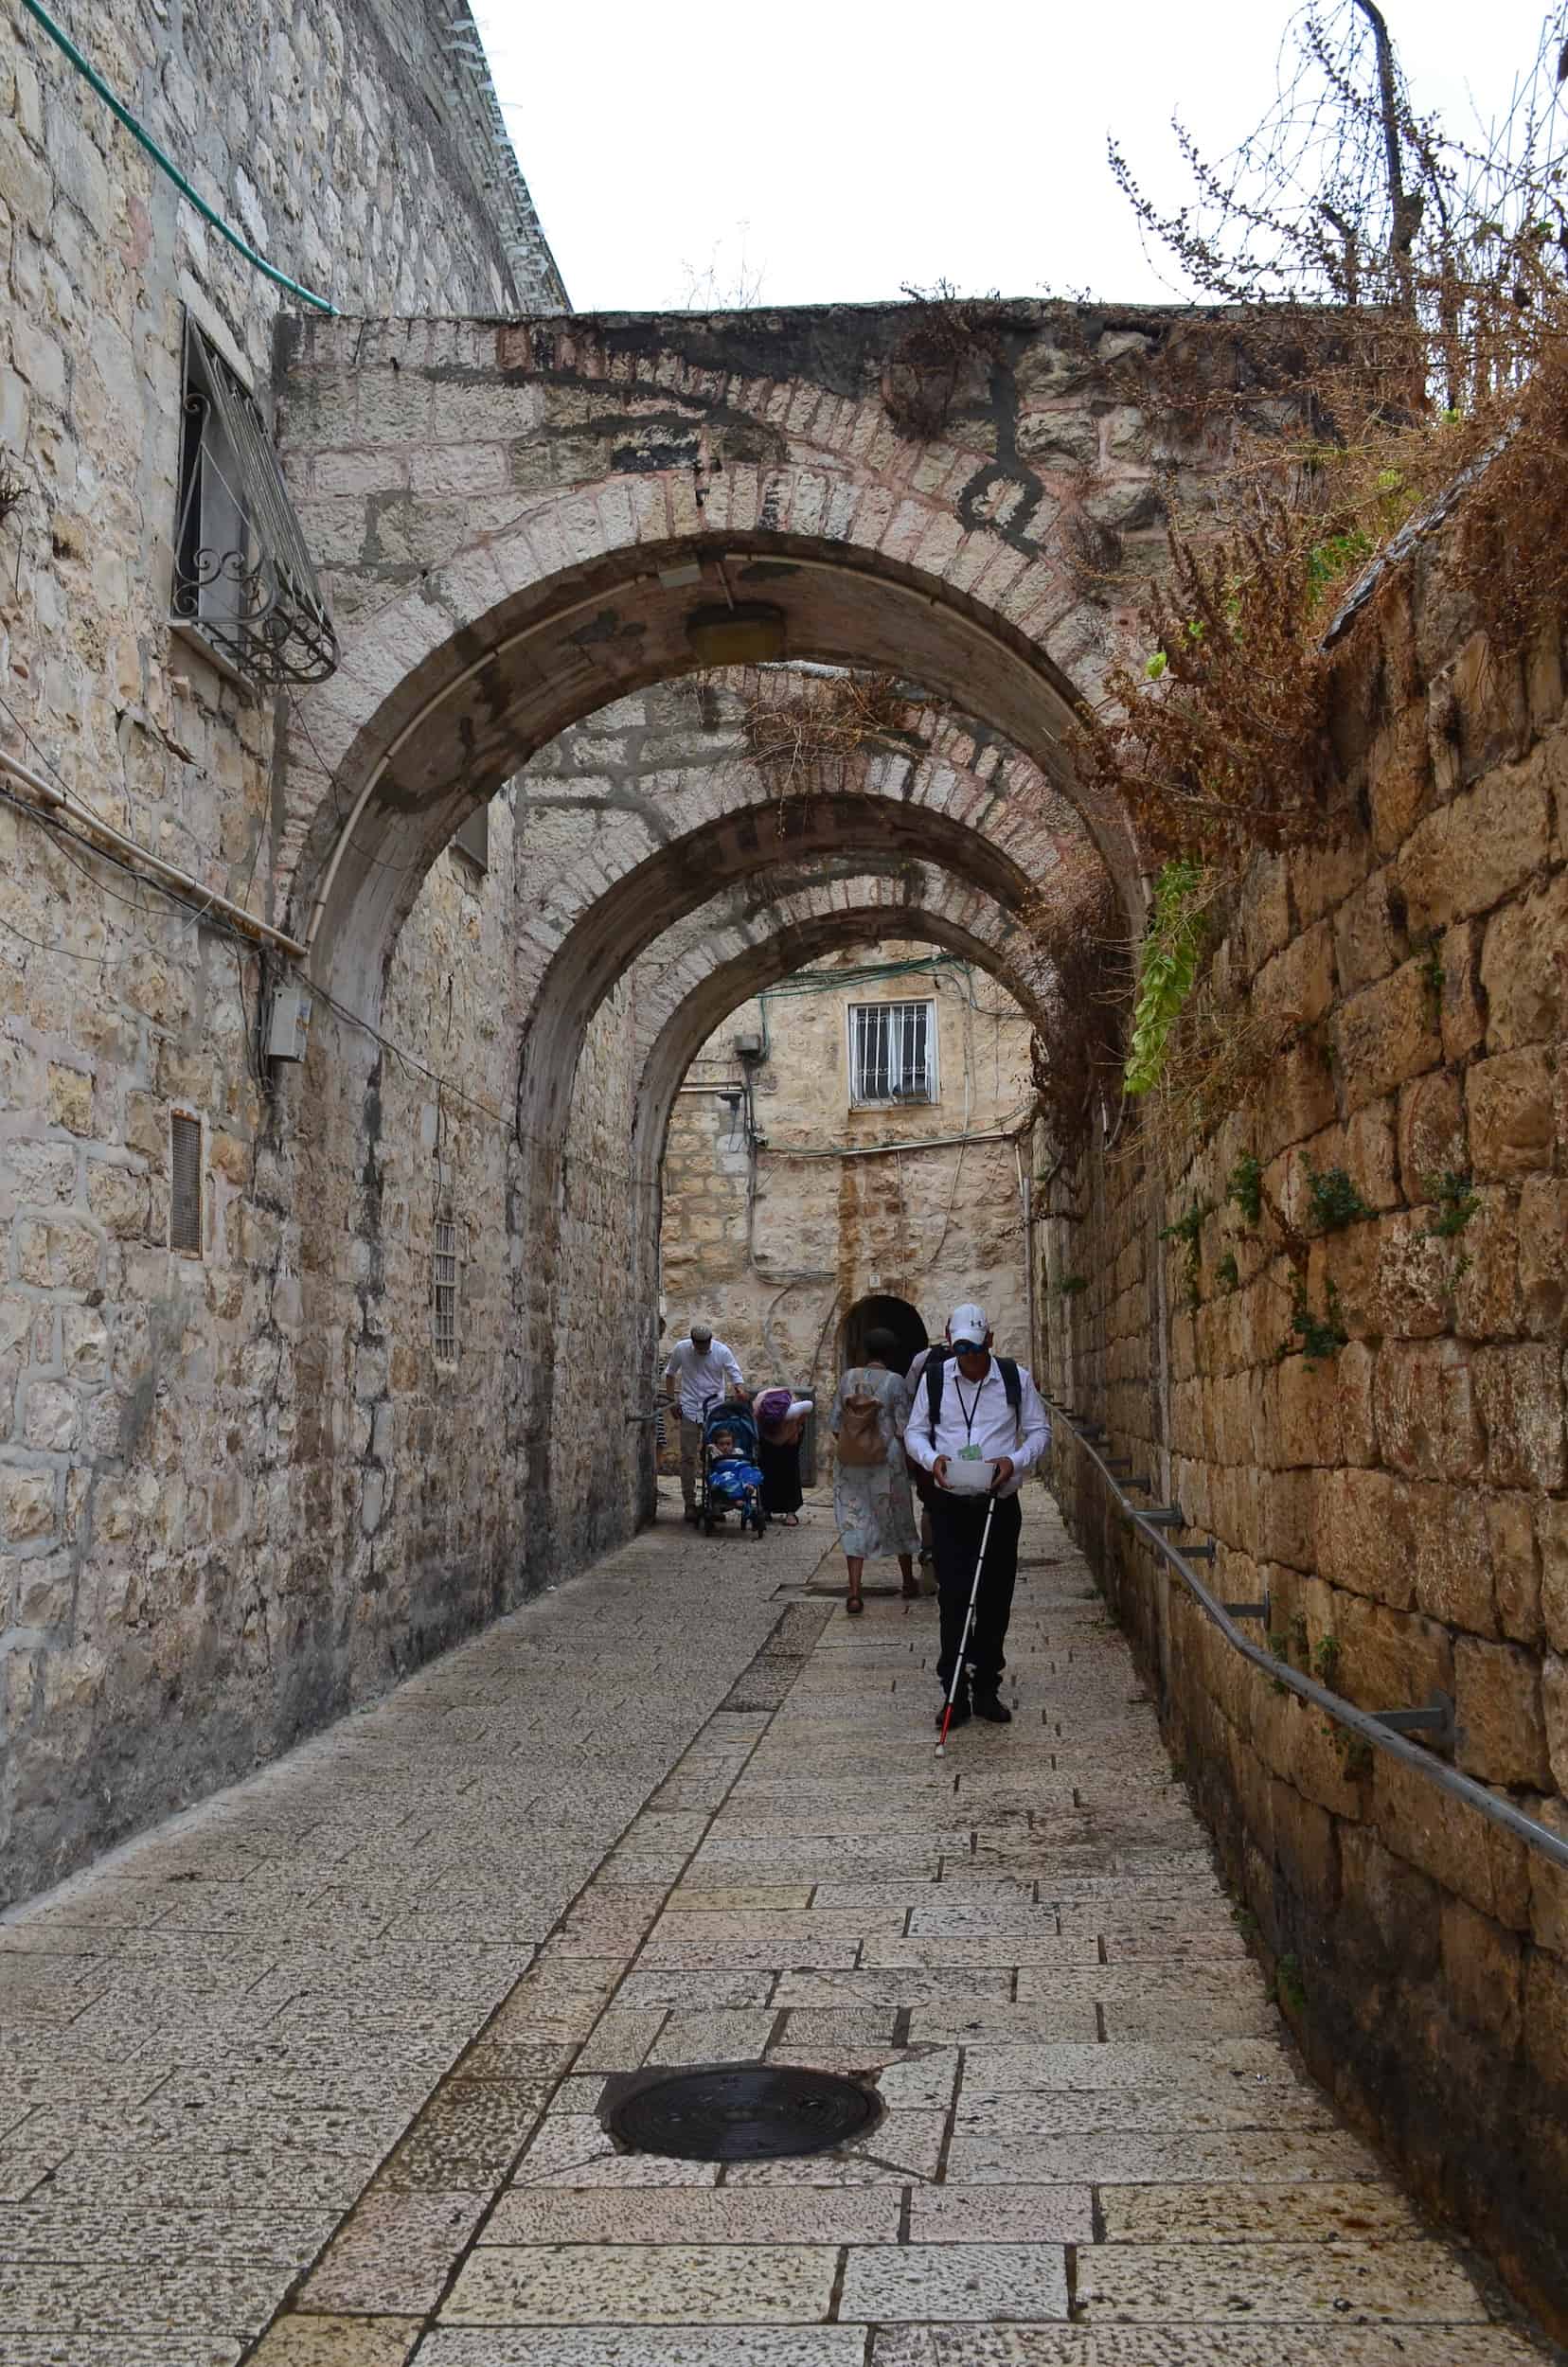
{"points": [[1363, 1723]]}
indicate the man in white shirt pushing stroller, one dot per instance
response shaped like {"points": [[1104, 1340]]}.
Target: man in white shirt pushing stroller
{"points": [[977, 1425], [700, 1372]]}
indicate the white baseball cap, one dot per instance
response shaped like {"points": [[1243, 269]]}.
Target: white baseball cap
{"points": [[970, 1326]]}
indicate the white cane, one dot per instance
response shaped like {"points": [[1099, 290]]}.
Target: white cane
{"points": [[969, 1621]]}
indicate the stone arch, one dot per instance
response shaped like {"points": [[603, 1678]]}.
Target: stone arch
{"points": [[885, 1309], [695, 978], [583, 835], [690, 982], [950, 853], [401, 789], [789, 840], [620, 475], [517, 523]]}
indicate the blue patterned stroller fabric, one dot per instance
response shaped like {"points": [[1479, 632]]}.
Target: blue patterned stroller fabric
{"points": [[731, 1478]]}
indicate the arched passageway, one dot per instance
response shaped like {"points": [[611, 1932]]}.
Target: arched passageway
{"points": [[637, 481], [885, 1311], [653, 486], [638, 477]]}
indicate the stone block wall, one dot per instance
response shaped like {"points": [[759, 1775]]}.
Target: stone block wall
{"points": [[186, 1581], [1402, 1499], [603, 1320], [931, 1227]]}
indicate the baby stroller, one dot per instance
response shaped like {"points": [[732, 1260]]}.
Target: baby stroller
{"points": [[732, 1480]]}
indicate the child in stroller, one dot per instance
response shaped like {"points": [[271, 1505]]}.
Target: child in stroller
{"points": [[732, 1478]]}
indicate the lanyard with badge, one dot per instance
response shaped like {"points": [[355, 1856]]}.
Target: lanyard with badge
{"points": [[969, 1453]]}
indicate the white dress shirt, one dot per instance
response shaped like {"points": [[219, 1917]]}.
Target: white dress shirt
{"points": [[704, 1372], [977, 1414]]}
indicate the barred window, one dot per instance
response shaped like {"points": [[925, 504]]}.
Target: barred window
{"points": [[445, 1279], [185, 1193], [244, 581], [892, 1053]]}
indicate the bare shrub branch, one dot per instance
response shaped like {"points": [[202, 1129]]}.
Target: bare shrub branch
{"points": [[803, 728]]}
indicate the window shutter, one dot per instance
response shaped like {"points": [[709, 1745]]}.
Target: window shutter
{"points": [[473, 840]]}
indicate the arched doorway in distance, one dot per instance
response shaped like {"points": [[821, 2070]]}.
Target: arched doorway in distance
{"points": [[880, 1312]]}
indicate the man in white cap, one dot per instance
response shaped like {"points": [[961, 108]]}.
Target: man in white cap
{"points": [[700, 1369], [975, 1417]]}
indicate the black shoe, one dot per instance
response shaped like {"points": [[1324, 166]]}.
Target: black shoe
{"points": [[991, 1707], [692, 1515], [960, 1711]]}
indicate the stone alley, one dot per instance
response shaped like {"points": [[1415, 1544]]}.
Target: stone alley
{"points": [[556, 846], [334, 2045]]}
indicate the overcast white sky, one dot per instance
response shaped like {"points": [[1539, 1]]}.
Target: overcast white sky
{"points": [[838, 149]]}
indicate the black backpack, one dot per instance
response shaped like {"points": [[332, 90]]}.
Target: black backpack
{"points": [[936, 1364]]}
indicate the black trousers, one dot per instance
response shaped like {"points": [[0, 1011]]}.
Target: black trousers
{"points": [[957, 1524]]}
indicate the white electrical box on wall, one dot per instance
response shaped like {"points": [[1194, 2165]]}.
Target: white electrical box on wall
{"points": [[289, 1024]]}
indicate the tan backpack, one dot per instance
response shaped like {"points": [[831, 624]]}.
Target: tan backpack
{"points": [[861, 1444]]}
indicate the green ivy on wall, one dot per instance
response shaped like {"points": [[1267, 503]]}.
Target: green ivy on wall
{"points": [[1168, 970]]}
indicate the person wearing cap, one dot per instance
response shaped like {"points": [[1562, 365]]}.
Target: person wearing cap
{"points": [[989, 1427], [699, 1370]]}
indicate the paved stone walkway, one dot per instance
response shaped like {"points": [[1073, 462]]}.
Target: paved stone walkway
{"points": [[338, 2040]]}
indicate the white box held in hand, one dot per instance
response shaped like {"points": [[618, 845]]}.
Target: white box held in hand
{"points": [[970, 1479]]}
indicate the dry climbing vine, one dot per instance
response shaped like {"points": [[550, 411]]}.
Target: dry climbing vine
{"points": [[802, 729], [1075, 916], [949, 337]]}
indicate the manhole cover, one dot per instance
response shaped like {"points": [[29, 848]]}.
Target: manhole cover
{"points": [[747, 2113]]}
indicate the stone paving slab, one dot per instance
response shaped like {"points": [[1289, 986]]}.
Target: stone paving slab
{"points": [[1201, 2346], [570, 2285], [986, 2282], [1244, 2215], [338, 2341], [1405, 2283], [128, 2349], [699, 2215], [638, 2346]]}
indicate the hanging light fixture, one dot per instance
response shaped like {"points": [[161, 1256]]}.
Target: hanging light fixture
{"points": [[750, 633]]}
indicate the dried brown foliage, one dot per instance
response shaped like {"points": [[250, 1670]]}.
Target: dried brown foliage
{"points": [[1511, 545], [951, 336], [12, 489], [1095, 555], [796, 724], [1225, 749], [1404, 355], [1076, 917]]}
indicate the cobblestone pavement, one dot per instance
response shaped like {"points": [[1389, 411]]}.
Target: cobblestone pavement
{"points": [[685, 1811]]}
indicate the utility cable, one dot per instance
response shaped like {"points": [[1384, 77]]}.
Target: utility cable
{"points": [[166, 164]]}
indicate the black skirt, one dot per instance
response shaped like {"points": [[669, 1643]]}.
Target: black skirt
{"points": [[781, 1491]]}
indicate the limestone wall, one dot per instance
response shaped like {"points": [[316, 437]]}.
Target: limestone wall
{"points": [[184, 1580], [1402, 1502], [931, 1227]]}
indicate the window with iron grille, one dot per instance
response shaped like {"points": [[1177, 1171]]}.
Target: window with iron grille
{"points": [[244, 581], [185, 1194], [445, 1278], [891, 1054]]}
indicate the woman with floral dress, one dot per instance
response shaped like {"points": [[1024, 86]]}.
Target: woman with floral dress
{"points": [[871, 1497]]}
